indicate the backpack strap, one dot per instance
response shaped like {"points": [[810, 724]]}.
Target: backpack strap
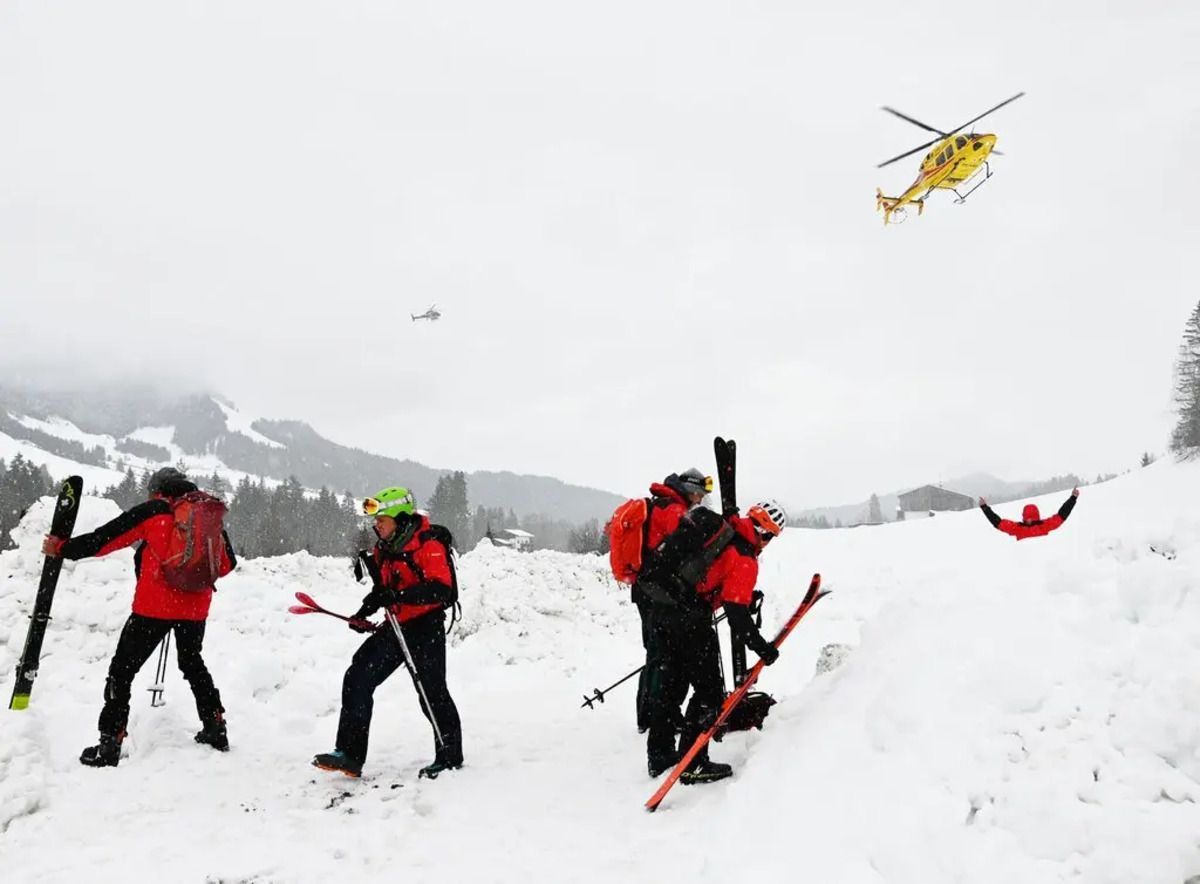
{"points": [[694, 568]]}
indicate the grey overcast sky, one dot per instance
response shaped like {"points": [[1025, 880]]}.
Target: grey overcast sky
{"points": [[645, 223]]}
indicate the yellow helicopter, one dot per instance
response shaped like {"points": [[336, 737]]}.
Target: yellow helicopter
{"points": [[956, 157]]}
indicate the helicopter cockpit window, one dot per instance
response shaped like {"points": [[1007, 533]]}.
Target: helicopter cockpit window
{"points": [[960, 142]]}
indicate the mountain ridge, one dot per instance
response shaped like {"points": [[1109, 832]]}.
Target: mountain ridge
{"points": [[117, 425]]}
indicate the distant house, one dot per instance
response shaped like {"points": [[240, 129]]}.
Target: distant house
{"points": [[930, 499], [514, 538]]}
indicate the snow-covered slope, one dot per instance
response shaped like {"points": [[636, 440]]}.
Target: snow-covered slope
{"points": [[1010, 712]]}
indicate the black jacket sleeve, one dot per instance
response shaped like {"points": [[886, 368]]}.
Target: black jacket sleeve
{"points": [[1065, 509], [428, 593], [87, 545], [743, 627], [991, 516]]}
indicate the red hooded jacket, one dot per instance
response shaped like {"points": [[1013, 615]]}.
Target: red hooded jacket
{"points": [[426, 583], [667, 507], [1032, 524], [150, 524]]}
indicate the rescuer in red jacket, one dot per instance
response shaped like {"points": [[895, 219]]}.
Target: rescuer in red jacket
{"points": [[158, 609], [413, 578], [1032, 524], [723, 573], [670, 500]]}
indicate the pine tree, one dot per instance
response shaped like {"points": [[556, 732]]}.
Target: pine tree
{"points": [[1186, 435], [874, 511], [449, 506]]}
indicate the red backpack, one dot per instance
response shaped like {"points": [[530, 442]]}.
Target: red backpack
{"points": [[627, 530], [196, 555]]}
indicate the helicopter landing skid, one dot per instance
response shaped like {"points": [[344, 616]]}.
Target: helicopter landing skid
{"points": [[962, 197]]}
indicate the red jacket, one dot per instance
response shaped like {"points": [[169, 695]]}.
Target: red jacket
{"points": [[731, 578], [429, 579], [149, 523], [1032, 524], [667, 507]]}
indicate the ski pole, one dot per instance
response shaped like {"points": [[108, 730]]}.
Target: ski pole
{"points": [[160, 673], [598, 695], [412, 670]]}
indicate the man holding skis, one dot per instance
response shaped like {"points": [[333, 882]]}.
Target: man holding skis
{"points": [[413, 581], [723, 573], [160, 605]]}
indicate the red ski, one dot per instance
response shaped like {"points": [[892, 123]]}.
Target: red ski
{"points": [[811, 597]]}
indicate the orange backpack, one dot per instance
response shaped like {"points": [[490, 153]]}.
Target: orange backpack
{"points": [[627, 530], [196, 555]]}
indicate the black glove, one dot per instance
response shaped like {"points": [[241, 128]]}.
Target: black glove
{"points": [[378, 597], [744, 630], [361, 624], [768, 653]]}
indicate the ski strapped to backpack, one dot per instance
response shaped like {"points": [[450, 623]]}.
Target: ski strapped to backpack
{"points": [[196, 554], [364, 563]]}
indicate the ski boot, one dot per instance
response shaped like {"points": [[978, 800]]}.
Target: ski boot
{"points": [[106, 753], [439, 764], [214, 734], [705, 772], [339, 761]]}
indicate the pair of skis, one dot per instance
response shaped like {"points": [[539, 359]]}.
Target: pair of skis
{"points": [[811, 597], [61, 525]]}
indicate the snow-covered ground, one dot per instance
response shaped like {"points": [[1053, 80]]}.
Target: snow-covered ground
{"points": [[1010, 712]]}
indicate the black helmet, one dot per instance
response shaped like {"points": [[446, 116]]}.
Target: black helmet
{"points": [[169, 482], [690, 481]]}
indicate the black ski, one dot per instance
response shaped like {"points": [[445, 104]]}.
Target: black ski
{"points": [[726, 454], [61, 525]]}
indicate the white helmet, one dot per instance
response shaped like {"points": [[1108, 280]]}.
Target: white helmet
{"points": [[769, 516]]}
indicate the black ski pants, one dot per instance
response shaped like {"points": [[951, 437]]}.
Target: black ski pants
{"points": [[140, 636], [380, 656], [643, 688], [687, 654]]}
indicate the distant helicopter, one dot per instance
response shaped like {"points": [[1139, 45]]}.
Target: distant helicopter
{"points": [[431, 314], [955, 158]]}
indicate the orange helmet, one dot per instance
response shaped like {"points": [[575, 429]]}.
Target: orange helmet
{"points": [[769, 516]]}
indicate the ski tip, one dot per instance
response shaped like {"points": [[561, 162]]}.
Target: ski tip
{"points": [[19, 701]]}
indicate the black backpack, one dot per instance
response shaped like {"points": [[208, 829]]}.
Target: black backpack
{"points": [[681, 561]]}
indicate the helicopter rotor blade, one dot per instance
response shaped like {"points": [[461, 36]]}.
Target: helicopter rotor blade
{"points": [[908, 153], [909, 119], [986, 112]]}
